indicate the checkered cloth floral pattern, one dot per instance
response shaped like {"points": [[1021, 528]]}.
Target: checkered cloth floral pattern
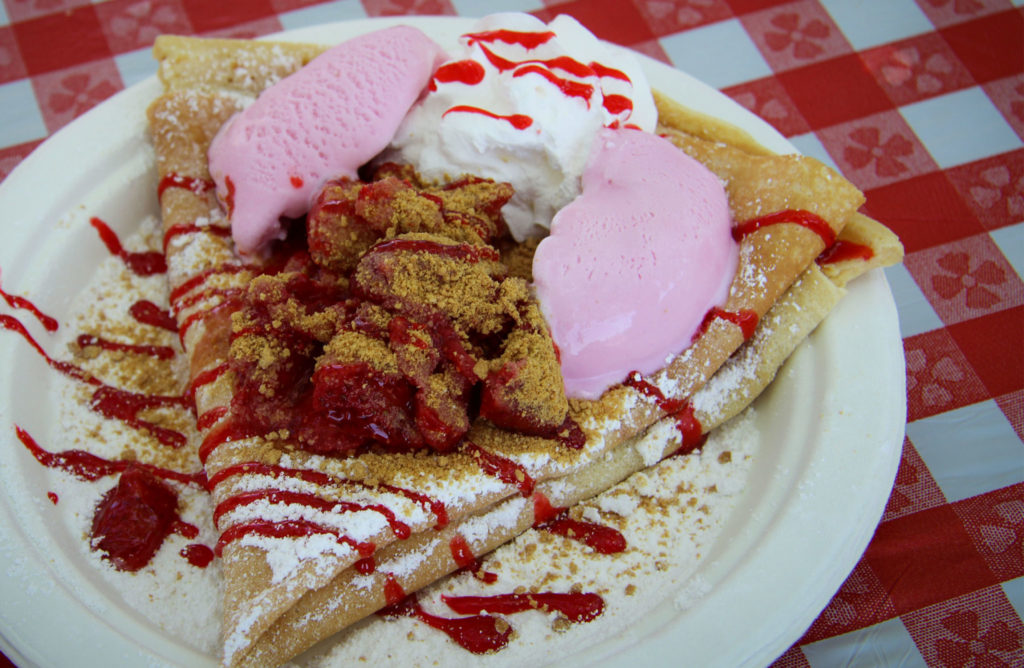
{"points": [[919, 102]]}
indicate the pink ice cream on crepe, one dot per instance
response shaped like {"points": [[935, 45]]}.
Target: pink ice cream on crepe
{"points": [[634, 263], [322, 122]]}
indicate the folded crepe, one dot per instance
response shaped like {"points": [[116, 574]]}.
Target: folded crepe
{"points": [[312, 543]]}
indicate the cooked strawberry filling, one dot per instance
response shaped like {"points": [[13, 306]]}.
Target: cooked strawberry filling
{"points": [[400, 327]]}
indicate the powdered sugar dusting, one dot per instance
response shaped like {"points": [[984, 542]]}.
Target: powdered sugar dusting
{"points": [[669, 514], [476, 529]]}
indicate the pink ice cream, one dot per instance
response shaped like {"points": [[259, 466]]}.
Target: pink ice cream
{"points": [[322, 122], [634, 263]]}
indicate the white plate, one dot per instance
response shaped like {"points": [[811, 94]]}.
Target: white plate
{"points": [[834, 422]]}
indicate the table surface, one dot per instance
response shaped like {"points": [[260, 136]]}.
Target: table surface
{"points": [[921, 104]]}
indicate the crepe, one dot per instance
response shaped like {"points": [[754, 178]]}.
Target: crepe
{"points": [[406, 513]]}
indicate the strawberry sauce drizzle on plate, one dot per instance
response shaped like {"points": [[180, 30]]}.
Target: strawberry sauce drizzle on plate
{"points": [[142, 263]]}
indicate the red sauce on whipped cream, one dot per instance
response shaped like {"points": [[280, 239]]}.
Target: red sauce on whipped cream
{"points": [[518, 121], [528, 39], [467, 72]]}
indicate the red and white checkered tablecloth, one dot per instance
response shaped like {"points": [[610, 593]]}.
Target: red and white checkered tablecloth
{"points": [[919, 102]]}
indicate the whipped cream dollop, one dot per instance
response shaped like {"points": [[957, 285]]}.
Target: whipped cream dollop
{"points": [[323, 122], [635, 262], [522, 103]]}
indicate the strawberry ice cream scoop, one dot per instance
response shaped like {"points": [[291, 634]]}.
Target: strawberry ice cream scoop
{"points": [[634, 263], [322, 122]]}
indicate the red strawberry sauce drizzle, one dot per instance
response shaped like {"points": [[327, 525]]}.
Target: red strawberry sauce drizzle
{"points": [[745, 319], [115, 403], [478, 634], [690, 429], [197, 554], [843, 250], [806, 219], [468, 72], [393, 592], [564, 63], [206, 377], [229, 304], [16, 302], [482, 633], [259, 468], [602, 539], [12, 324], [199, 279], [576, 607], [636, 381], [836, 250], [229, 197], [143, 263], [518, 121], [87, 466], [109, 401], [183, 229], [542, 509], [148, 313], [467, 561], [617, 104], [323, 479], [189, 300], [288, 529], [309, 500], [502, 468], [365, 566], [148, 263], [197, 185], [568, 87], [604, 71], [211, 417], [133, 519], [159, 352], [524, 38]]}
